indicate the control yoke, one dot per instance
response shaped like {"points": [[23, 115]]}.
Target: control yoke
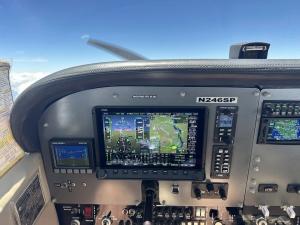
{"points": [[150, 197]]}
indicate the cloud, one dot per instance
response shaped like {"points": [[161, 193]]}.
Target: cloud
{"points": [[85, 36], [21, 80], [31, 60]]}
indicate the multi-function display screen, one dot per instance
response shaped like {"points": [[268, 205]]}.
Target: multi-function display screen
{"points": [[151, 138], [283, 130], [225, 121], [70, 155]]}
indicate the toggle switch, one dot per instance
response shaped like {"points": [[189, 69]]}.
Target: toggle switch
{"points": [[290, 211], [265, 211]]}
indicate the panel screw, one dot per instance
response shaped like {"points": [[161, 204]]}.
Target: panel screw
{"points": [[266, 94], [115, 95], [163, 202], [182, 94], [45, 125], [256, 168], [253, 181], [256, 93], [252, 190], [257, 159]]}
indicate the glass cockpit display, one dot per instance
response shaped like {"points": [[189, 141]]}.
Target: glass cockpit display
{"points": [[133, 138], [71, 154], [284, 130]]}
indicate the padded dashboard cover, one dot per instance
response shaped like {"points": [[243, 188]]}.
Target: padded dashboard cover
{"points": [[30, 105]]}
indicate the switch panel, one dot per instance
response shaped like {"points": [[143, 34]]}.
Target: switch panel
{"points": [[221, 162]]}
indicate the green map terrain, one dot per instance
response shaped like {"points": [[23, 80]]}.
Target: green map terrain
{"points": [[168, 134], [286, 129]]}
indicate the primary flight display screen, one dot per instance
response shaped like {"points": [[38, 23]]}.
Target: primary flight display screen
{"points": [[283, 130], [135, 137], [70, 155]]}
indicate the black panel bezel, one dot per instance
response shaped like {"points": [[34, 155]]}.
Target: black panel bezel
{"points": [[264, 120], [99, 141], [262, 136], [73, 141]]}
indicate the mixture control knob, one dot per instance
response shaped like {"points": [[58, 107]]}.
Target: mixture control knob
{"points": [[75, 222], [197, 193]]}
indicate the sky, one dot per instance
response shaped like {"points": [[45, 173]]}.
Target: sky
{"points": [[41, 37]]}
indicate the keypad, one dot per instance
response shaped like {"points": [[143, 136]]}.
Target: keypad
{"points": [[221, 162]]}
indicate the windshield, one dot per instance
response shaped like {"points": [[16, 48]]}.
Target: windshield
{"points": [[41, 37]]}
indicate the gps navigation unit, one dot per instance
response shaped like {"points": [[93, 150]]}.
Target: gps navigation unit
{"points": [[157, 138]]}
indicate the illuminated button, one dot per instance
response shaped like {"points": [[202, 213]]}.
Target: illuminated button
{"points": [[63, 171], [154, 171], [76, 171], [125, 171], [56, 170], [175, 172], [57, 185], [196, 223], [202, 223], [89, 171], [189, 223], [134, 171], [115, 171], [165, 172], [83, 171], [220, 151], [69, 171], [185, 172]]}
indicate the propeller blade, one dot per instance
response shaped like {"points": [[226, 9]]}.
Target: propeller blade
{"points": [[119, 51]]}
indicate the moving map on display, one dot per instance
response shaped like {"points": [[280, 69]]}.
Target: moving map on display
{"points": [[284, 130], [150, 138]]}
